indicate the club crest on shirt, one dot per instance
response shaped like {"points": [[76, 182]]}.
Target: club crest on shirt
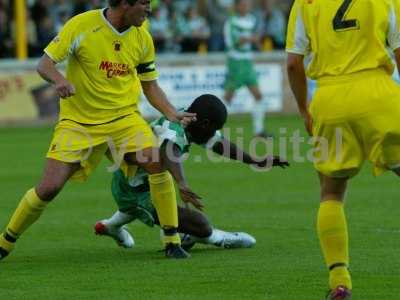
{"points": [[117, 45]]}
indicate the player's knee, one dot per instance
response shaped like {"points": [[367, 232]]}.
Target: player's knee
{"points": [[47, 191], [204, 227]]}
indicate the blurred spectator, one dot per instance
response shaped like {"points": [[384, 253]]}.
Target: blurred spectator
{"points": [[6, 42], [60, 12], [80, 6], [46, 32], [160, 28], [182, 6], [96, 4], [176, 25], [217, 13], [62, 18], [272, 24], [40, 10], [193, 30]]}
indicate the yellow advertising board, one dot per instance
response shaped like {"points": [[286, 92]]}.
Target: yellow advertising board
{"points": [[24, 96], [16, 98]]}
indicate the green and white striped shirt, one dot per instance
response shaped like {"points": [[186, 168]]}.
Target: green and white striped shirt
{"points": [[235, 28]]}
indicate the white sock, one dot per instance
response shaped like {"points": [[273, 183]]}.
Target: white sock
{"points": [[216, 238], [119, 219], [258, 115]]}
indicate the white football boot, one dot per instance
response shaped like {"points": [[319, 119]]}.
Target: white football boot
{"points": [[120, 234], [233, 240]]}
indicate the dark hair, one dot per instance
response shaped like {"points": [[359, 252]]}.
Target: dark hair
{"points": [[115, 3], [211, 108]]}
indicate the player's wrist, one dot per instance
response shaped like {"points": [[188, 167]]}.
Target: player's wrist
{"points": [[304, 112], [172, 116]]}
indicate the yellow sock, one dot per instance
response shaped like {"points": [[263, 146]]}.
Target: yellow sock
{"points": [[28, 211], [332, 232], [163, 195]]}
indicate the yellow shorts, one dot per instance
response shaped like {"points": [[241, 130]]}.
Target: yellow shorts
{"points": [[356, 118], [87, 144]]}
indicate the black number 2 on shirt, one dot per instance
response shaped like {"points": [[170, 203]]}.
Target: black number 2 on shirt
{"points": [[340, 23]]}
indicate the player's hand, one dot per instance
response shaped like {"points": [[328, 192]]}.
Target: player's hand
{"points": [[188, 196], [64, 88], [272, 161], [185, 118]]}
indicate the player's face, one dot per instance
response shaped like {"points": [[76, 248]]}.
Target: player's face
{"points": [[201, 132], [244, 7], [136, 14]]}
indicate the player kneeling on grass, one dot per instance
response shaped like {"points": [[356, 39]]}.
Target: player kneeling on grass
{"points": [[132, 192]]}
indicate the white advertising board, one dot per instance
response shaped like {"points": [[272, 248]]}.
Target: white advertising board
{"points": [[184, 83]]}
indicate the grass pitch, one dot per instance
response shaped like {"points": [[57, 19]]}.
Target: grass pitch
{"points": [[61, 258]]}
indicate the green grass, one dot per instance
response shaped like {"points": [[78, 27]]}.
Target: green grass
{"points": [[61, 258]]}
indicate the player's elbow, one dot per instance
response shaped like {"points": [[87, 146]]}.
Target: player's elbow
{"points": [[294, 63], [41, 66]]}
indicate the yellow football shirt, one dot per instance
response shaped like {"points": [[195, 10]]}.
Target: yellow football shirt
{"points": [[342, 37], [104, 65]]}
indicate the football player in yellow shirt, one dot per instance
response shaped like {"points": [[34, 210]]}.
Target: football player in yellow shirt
{"points": [[356, 107], [108, 52]]}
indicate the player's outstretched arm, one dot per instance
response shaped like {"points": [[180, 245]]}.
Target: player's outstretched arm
{"points": [[157, 98], [172, 160], [228, 149], [48, 71], [298, 84]]}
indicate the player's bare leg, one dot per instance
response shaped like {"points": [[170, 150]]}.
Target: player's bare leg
{"points": [[228, 96], [332, 232], [197, 229], [163, 195], [56, 174]]}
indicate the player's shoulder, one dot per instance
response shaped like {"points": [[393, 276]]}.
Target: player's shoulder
{"points": [[83, 20], [142, 33], [87, 16]]}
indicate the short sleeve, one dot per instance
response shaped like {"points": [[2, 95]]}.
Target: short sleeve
{"points": [[297, 41], [64, 43], [169, 131], [393, 36], [146, 69]]}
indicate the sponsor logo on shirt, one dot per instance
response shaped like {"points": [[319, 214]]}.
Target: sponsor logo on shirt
{"points": [[113, 69]]}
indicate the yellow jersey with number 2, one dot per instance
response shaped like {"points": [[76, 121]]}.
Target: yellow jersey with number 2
{"points": [[342, 37], [104, 65]]}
